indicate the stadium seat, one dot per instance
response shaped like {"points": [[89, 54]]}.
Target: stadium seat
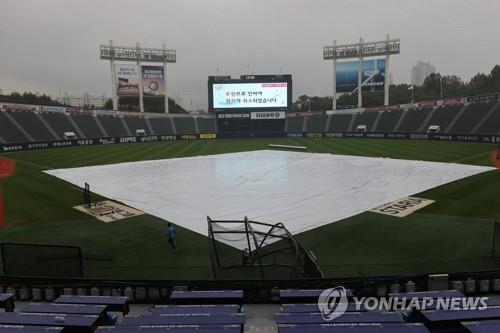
{"points": [[10, 132], [59, 122], [340, 122], [184, 125], [88, 125], [113, 125], [161, 125], [388, 121], [33, 125], [413, 120]]}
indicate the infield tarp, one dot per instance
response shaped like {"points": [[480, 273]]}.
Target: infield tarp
{"points": [[301, 190]]}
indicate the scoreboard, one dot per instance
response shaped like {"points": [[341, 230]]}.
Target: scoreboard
{"points": [[250, 93]]}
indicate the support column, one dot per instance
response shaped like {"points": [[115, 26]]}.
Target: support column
{"points": [[165, 77], [334, 99], [114, 97], [387, 73], [141, 88], [360, 76]]}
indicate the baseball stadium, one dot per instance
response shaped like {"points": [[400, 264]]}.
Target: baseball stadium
{"points": [[259, 202]]}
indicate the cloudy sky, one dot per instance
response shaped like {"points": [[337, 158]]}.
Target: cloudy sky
{"points": [[51, 46]]}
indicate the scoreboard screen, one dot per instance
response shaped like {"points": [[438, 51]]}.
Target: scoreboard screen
{"points": [[250, 95], [263, 92]]}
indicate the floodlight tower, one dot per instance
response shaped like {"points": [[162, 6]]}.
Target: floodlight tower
{"points": [[138, 55], [360, 51], [165, 77], [360, 75], [141, 88], [113, 77]]}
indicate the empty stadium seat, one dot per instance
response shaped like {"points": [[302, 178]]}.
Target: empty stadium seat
{"points": [[161, 126], [413, 120], [491, 125], [184, 125], [113, 125], [388, 121], [470, 117], [340, 122], [33, 125], [88, 125], [316, 123], [366, 119], [59, 122], [10, 132], [136, 123]]}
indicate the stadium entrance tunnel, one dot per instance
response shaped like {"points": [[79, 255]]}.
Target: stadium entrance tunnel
{"points": [[256, 250]]}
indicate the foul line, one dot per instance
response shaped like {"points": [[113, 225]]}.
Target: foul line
{"points": [[471, 156]]}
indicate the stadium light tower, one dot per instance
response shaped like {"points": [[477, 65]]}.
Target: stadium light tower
{"points": [[138, 55], [360, 51]]}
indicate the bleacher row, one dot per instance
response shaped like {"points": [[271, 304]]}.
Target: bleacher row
{"points": [[30, 126], [222, 311], [474, 118], [86, 314]]}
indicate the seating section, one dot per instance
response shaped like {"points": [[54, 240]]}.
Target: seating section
{"points": [[300, 313], [222, 311], [443, 116], [24, 126], [59, 122], [86, 314], [113, 125], [219, 310], [184, 125], [471, 117], [413, 120], [316, 123], [161, 126], [88, 125], [136, 123], [340, 122], [206, 125], [367, 119], [388, 121], [295, 124], [416, 312], [33, 125], [492, 124], [8, 131]]}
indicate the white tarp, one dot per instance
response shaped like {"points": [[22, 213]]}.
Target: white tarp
{"points": [[302, 190]]}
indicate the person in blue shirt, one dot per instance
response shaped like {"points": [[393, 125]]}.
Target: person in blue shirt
{"points": [[171, 236]]}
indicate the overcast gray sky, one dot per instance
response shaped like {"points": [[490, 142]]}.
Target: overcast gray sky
{"points": [[51, 46]]}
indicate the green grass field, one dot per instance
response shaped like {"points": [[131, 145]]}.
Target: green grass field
{"points": [[451, 235]]}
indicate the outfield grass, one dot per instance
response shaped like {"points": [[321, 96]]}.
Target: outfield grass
{"points": [[451, 235]]}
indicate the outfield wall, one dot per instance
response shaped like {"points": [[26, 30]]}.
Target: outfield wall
{"points": [[11, 147]]}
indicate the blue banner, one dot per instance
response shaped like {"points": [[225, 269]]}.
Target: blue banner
{"points": [[372, 76]]}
